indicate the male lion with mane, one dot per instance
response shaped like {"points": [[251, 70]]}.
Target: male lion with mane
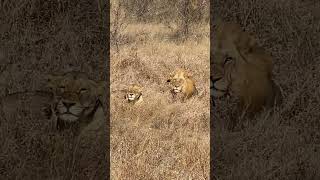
{"points": [[242, 69], [182, 84]]}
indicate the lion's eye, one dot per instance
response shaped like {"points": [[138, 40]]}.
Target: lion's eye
{"points": [[227, 59], [82, 90], [60, 89]]}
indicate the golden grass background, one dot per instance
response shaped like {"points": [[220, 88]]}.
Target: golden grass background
{"points": [[160, 138]]}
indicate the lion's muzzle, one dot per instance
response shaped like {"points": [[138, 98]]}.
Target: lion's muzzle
{"points": [[177, 89], [68, 110], [217, 89]]}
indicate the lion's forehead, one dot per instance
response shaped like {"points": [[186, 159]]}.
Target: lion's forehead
{"points": [[134, 89], [228, 30], [177, 81], [75, 75], [180, 72], [133, 92], [75, 84], [78, 83]]}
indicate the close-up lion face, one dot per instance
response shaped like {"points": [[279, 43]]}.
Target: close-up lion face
{"points": [[75, 95], [242, 69], [134, 94]]}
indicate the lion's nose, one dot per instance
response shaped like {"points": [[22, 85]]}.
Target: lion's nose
{"points": [[215, 80], [68, 104]]}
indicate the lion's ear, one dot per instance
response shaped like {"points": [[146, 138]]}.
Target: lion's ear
{"points": [[188, 74], [49, 78], [50, 81], [169, 77]]}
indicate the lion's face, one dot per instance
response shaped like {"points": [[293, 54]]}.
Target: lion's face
{"points": [[240, 67], [177, 85], [181, 83], [134, 93], [76, 96]]}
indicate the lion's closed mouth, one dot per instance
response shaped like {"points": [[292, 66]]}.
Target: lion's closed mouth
{"points": [[69, 117], [176, 90]]}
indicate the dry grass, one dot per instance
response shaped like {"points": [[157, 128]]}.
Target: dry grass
{"points": [[159, 138], [283, 145], [36, 39]]}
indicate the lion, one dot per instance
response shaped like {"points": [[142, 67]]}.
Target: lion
{"points": [[242, 69], [76, 101], [134, 94], [182, 84]]}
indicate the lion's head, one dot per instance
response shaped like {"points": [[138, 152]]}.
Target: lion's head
{"points": [[182, 83], [134, 94], [242, 69], [76, 97]]}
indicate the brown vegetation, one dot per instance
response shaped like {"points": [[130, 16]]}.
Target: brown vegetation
{"points": [[38, 38], [283, 145], [159, 138]]}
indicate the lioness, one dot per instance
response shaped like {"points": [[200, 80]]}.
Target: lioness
{"points": [[182, 84], [134, 94], [242, 69], [76, 101]]}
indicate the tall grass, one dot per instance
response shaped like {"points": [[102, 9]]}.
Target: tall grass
{"points": [[284, 145], [38, 38], [160, 138]]}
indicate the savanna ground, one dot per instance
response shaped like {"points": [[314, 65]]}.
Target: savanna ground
{"points": [[285, 145], [159, 139], [37, 38]]}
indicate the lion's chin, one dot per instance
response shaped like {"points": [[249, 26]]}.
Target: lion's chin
{"points": [[68, 117], [131, 98]]}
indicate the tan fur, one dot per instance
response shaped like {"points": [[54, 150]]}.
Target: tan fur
{"points": [[182, 84], [134, 94], [242, 69], [77, 101], [180, 73]]}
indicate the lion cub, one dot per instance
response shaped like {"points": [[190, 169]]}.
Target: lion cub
{"points": [[134, 94], [182, 84]]}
